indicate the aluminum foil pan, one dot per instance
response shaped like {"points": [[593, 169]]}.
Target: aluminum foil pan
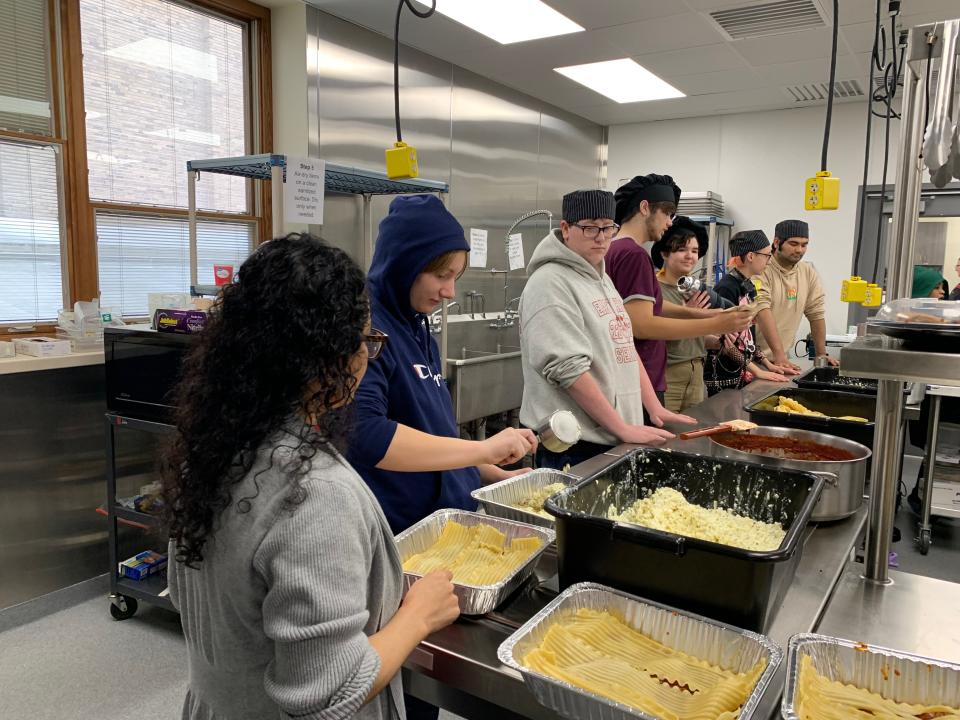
{"points": [[897, 675], [713, 641], [474, 599], [501, 498]]}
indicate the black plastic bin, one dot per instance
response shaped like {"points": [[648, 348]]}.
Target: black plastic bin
{"points": [[733, 585], [829, 378], [829, 402]]}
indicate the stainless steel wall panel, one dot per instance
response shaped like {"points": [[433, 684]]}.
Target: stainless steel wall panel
{"points": [[503, 152], [52, 466], [352, 120]]}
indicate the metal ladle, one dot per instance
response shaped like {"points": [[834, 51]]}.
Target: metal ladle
{"points": [[559, 432]]}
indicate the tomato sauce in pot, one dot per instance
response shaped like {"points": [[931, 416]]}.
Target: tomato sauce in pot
{"points": [[782, 447]]}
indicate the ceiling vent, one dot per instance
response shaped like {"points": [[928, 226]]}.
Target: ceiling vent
{"points": [[771, 18], [818, 92]]}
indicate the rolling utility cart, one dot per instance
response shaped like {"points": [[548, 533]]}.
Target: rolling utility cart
{"points": [[940, 495], [125, 592], [719, 230]]}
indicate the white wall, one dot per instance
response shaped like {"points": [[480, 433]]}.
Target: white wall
{"points": [[758, 162], [289, 59], [952, 251]]}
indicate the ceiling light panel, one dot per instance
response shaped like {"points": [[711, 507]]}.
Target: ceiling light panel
{"points": [[508, 21], [623, 81]]}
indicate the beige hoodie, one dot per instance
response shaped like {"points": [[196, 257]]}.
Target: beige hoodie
{"points": [[572, 320]]}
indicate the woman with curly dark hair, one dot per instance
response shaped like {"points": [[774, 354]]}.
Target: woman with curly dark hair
{"points": [[283, 565]]}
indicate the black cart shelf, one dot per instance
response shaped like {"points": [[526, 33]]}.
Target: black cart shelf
{"points": [[126, 594]]}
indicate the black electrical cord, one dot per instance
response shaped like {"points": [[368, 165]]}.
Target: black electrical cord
{"points": [[396, 54], [891, 80], [866, 150], [833, 81], [931, 40]]}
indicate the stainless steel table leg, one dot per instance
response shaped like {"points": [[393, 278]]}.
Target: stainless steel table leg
{"points": [[883, 480], [926, 531]]}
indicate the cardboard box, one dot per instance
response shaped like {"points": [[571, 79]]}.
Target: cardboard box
{"points": [[42, 347], [142, 565], [179, 321]]}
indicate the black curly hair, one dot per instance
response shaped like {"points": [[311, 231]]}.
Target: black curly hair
{"points": [[280, 346]]}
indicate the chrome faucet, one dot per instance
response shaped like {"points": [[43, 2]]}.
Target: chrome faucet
{"points": [[435, 322], [472, 297], [510, 317]]}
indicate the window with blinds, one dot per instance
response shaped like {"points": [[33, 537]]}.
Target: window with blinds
{"points": [[24, 67], [163, 84], [140, 254], [30, 266]]}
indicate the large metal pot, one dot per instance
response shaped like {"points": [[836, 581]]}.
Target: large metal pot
{"points": [[842, 493]]}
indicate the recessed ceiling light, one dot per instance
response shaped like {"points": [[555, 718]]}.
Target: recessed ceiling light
{"points": [[508, 21], [622, 80]]}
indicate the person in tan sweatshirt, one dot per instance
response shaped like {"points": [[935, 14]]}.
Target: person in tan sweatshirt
{"points": [[790, 290]]}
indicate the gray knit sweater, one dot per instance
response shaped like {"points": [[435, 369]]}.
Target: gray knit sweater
{"points": [[278, 614]]}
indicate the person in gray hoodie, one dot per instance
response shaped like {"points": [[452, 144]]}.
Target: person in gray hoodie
{"points": [[576, 339]]}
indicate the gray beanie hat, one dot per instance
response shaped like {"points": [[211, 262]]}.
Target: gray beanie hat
{"points": [[787, 229], [748, 241], [582, 204]]}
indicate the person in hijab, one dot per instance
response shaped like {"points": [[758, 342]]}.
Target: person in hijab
{"points": [[927, 282]]}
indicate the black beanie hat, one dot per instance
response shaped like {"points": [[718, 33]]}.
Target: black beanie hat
{"points": [[592, 204], [682, 227], [787, 229], [748, 241], [652, 188]]}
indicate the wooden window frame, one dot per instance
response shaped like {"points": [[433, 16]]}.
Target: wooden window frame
{"points": [[79, 247]]}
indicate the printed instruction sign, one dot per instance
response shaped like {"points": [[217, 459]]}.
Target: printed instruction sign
{"points": [[515, 251], [303, 190], [478, 248]]}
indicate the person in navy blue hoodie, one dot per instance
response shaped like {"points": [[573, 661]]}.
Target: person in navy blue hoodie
{"points": [[406, 444]]}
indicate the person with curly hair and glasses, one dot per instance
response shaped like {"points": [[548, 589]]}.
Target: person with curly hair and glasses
{"points": [[283, 566]]}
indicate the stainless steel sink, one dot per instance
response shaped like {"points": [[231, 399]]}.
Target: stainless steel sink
{"points": [[483, 369]]}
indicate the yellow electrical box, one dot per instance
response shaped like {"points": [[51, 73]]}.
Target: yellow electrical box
{"points": [[822, 192], [402, 161], [874, 296], [854, 290]]}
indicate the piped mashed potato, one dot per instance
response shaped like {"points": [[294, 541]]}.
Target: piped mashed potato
{"points": [[667, 509]]}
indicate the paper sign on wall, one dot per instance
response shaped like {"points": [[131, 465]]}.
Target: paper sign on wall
{"points": [[478, 248], [303, 191], [515, 251]]}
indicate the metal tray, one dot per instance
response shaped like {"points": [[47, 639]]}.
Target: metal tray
{"points": [[829, 378], [902, 676], [709, 640], [474, 599], [500, 499], [943, 337]]}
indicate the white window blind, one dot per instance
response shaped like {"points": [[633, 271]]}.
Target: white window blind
{"points": [[140, 254], [30, 270], [24, 67], [163, 84]]}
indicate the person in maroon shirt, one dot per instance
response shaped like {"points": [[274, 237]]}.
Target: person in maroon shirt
{"points": [[645, 210]]}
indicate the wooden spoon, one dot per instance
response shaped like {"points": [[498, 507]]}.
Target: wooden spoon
{"points": [[728, 426]]}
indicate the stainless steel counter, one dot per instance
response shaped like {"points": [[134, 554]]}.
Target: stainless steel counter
{"points": [[913, 613], [884, 358], [457, 668]]}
